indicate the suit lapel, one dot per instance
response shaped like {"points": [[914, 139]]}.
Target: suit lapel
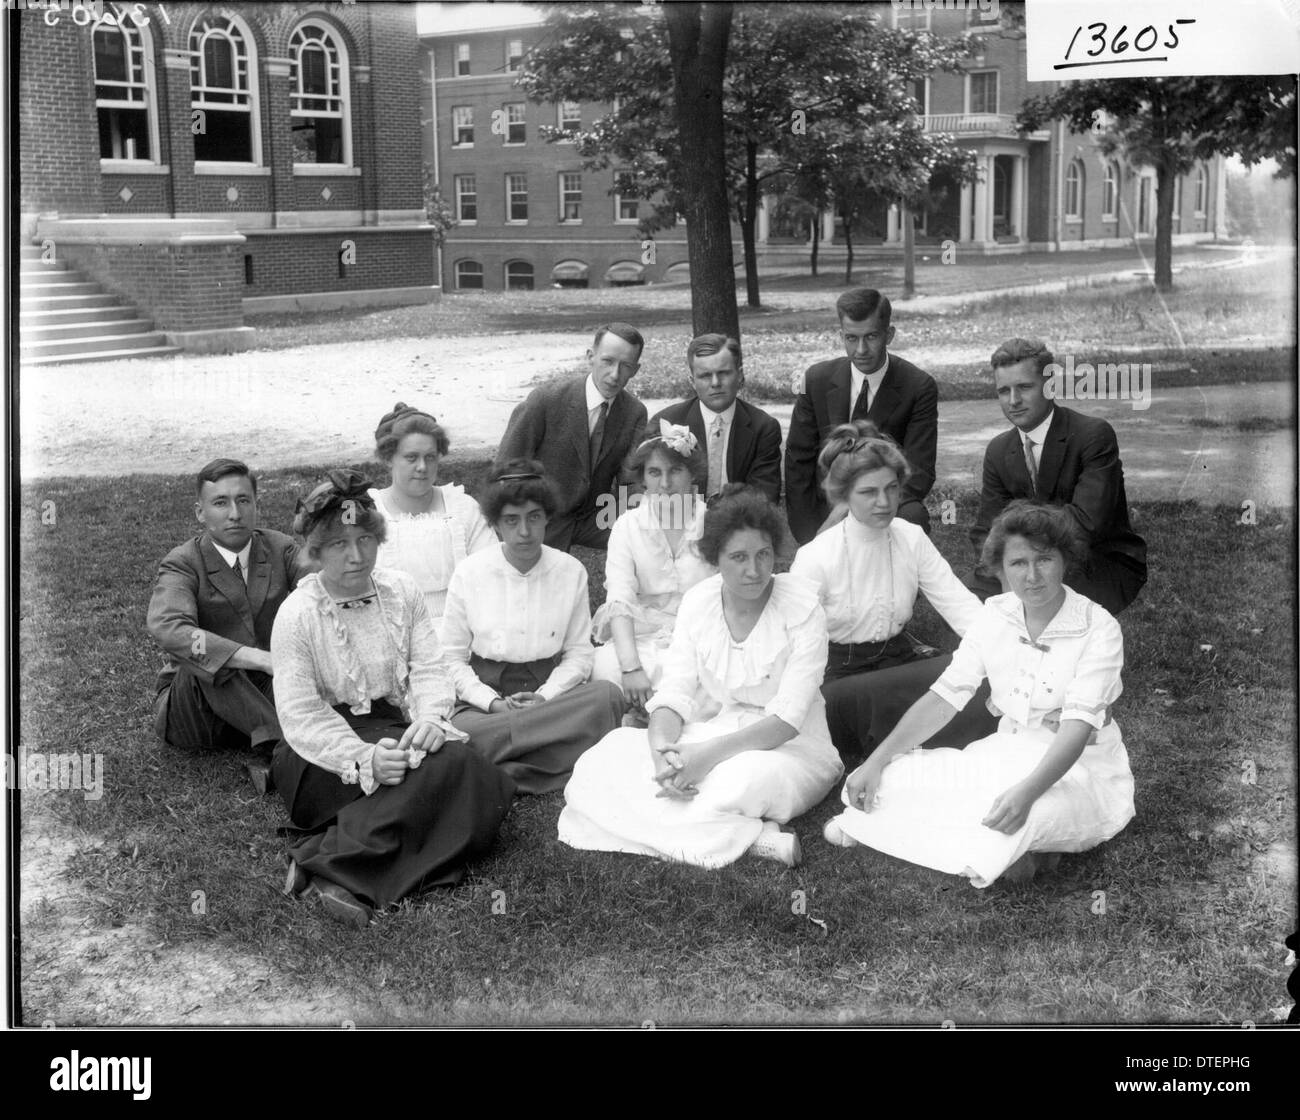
{"points": [[742, 438], [579, 433], [259, 573], [887, 397], [222, 576], [695, 422], [1053, 456], [837, 394]]}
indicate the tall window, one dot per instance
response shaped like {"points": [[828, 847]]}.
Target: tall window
{"points": [[462, 59], [625, 209], [983, 91], [124, 96], [223, 92], [1074, 190], [318, 96], [469, 276], [519, 276], [570, 115], [514, 55], [516, 128], [462, 126], [570, 196], [921, 93], [1110, 190], [1202, 183], [517, 198], [1178, 198], [466, 198]]}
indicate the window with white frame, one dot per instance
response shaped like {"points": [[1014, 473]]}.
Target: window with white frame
{"points": [[125, 101], [223, 91], [1201, 183], [514, 55], [570, 196], [519, 276], [1074, 190], [1110, 190], [982, 91], [516, 126], [462, 59], [466, 198], [625, 209], [319, 105], [462, 126], [517, 198], [921, 94], [914, 18], [570, 115], [469, 276]]}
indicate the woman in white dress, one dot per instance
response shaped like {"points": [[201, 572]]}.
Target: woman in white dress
{"points": [[1055, 776], [869, 568], [517, 642], [710, 780], [653, 559], [431, 528]]}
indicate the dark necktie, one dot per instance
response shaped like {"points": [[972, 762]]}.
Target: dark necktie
{"points": [[598, 432], [863, 402], [1029, 462], [239, 571]]}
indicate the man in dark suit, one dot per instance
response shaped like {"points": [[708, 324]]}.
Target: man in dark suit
{"points": [[1054, 454], [742, 443], [581, 431], [212, 608], [868, 383]]}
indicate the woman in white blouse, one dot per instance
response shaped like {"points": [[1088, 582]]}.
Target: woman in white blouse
{"points": [[517, 638], [369, 764], [1055, 776], [714, 778], [868, 569], [431, 528], [653, 559]]}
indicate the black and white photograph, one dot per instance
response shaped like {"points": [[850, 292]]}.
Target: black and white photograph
{"points": [[653, 515]]}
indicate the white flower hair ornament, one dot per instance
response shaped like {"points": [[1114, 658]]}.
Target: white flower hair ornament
{"points": [[678, 438]]}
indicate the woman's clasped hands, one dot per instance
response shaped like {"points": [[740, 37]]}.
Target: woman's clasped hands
{"points": [[393, 757]]}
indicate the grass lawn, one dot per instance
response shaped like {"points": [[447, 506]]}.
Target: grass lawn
{"points": [[1189, 928]]}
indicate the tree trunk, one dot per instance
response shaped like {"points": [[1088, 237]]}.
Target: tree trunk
{"points": [[1164, 226], [749, 227], [816, 238], [909, 251], [848, 245], [697, 44]]}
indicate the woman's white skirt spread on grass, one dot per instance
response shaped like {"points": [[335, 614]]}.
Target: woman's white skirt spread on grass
{"points": [[611, 803], [930, 803]]}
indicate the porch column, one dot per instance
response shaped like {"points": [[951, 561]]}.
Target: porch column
{"points": [[982, 200], [892, 229], [1022, 198], [964, 223]]}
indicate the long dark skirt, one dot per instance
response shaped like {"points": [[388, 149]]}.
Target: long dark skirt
{"points": [[862, 708], [538, 746], [399, 839]]}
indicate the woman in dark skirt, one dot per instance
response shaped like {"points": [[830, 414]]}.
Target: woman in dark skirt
{"points": [[517, 633], [369, 765]]}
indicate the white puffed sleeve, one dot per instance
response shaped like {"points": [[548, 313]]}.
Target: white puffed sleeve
{"points": [[801, 679], [681, 677], [1096, 683], [969, 665]]}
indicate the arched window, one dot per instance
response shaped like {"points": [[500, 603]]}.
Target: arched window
{"points": [[519, 276], [623, 274], [469, 276], [223, 92], [1202, 182], [570, 274], [1110, 190], [318, 97], [1074, 190], [125, 99]]}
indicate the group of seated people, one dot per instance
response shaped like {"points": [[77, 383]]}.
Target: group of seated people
{"points": [[411, 659]]}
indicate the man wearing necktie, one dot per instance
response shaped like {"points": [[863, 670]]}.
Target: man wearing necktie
{"points": [[867, 383], [1057, 455], [742, 442], [581, 430], [213, 604]]}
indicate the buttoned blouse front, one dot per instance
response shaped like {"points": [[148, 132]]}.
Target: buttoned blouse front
{"points": [[868, 580], [777, 669], [644, 580], [502, 614], [1072, 671]]}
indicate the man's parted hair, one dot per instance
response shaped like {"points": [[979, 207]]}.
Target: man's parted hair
{"points": [[223, 468], [862, 303], [1018, 350], [706, 345], [624, 331]]}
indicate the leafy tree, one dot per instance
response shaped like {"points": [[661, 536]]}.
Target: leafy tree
{"points": [[438, 211], [1170, 123]]}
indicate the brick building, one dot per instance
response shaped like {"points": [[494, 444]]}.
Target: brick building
{"points": [[200, 162], [531, 216]]}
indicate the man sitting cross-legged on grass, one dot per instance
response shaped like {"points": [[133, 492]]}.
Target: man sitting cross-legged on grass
{"points": [[212, 607]]}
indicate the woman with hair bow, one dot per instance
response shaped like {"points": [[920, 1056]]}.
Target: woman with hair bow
{"points": [[653, 560], [392, 798]]}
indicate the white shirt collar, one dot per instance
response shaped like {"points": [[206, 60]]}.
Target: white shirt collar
{"points": [[1039, 434], [594, 399], [243, 555], [874, 378], [707, 414]]}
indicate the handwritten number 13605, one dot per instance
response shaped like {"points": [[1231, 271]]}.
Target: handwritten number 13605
{"points": [[1145, 40]]}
